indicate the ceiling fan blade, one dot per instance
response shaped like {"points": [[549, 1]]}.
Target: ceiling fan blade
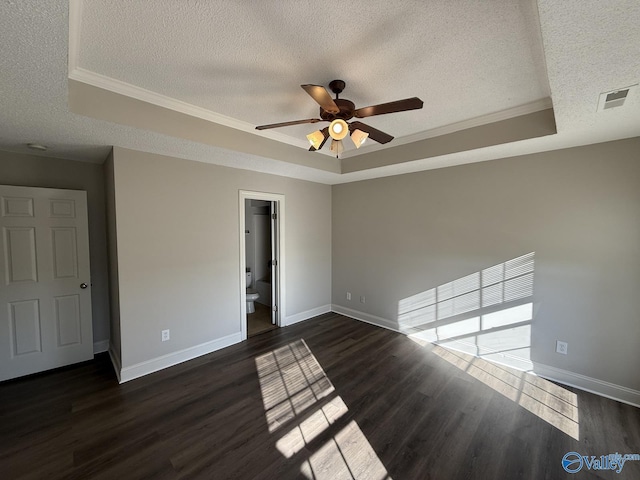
{"points": [[325, 132], [374, 133], [398, 106], [286, 124], [322, 97]]}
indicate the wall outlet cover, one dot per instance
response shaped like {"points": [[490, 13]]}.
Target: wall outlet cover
{"points": [[562, 347]]}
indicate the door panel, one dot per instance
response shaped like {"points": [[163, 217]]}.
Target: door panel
{"points": [[62, 208], [65, 253], [17, 207], [45, 316], [20, 253], [67, 311], [25, 327]]}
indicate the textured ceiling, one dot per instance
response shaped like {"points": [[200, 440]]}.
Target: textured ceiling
{"points": [[243, 63], [247, 60]]}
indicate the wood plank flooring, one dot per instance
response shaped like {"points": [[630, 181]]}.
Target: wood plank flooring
{"points": [[327, 398]]}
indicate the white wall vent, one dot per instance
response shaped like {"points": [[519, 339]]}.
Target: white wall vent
{"points": [[614, 98]]}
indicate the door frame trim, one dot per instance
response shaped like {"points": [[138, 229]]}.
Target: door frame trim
{"points": [[280, 221]]}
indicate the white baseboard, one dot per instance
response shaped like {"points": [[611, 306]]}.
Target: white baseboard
{"points": [[306, 315], [115, 361], [174, 358], [100, 346], [366, 317], [588, 384]]}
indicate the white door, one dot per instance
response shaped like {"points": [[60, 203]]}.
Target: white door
{"points": [[45, 294], [274, 262]]}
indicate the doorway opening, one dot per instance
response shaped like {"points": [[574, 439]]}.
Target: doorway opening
{"points": [[261, 262]]}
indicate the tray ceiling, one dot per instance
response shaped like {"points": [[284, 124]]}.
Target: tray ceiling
{"points": [[241, 64]]}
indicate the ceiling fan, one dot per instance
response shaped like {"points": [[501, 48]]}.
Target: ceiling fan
{"points": [[338, 111]]}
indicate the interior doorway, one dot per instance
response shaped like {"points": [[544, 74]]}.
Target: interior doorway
{"points": [[261, 262]]}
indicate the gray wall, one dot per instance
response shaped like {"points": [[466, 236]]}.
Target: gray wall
{"points": [[47, 172], [112, 244], [178, 249], [577, 209]]}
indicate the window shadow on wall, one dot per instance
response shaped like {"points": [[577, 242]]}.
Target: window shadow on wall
{"points": [[486, 314], [481, 323]]}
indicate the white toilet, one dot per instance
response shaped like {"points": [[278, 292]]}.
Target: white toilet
{"points": [[252, 295]]}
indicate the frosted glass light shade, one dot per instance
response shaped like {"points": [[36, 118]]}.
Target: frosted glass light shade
{"points": [[358, 137], [315, 139], [338, 129], [337, 147]]}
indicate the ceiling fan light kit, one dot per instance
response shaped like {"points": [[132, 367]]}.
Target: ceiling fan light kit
{"points": [[338, 111], [358, 137], [336, 147], [316, 139], [338, 129]]}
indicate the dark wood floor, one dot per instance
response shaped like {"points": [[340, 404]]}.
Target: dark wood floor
{"points": [[327, 398]]}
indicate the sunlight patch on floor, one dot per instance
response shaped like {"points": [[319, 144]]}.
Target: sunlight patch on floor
{"points": [[300, 401], [311, 427], [347, 455], [291, 381], [548, 401]]}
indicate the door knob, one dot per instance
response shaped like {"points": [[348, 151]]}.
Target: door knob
{"points": [[83, 285]]}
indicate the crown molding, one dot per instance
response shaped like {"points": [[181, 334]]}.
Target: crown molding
{"points": [[75, 20], [123, 88], [525, 109], [76, 72], [138, 93]]}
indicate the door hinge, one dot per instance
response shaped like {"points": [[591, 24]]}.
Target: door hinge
{"points": [[275, 308], [274, 263], [274, 216]]}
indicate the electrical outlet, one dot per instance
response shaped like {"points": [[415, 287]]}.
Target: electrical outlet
{"points": [[362, 299], [562, 347], [165, 335], [348, 295]]}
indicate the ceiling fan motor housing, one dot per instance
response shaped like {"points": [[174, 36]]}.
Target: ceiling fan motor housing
{"points": [[347, 107], [337, 86]]}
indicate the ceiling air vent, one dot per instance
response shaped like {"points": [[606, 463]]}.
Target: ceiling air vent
{"points": [[615, 98]]}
